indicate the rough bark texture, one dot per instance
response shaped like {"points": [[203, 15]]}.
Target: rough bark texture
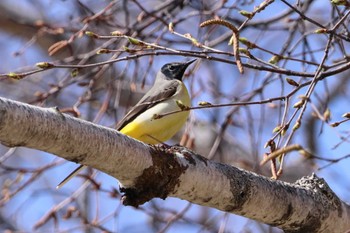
{"points": [[146, 172]]}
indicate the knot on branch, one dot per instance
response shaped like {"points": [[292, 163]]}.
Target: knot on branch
{"points": [[321, 191], [160, 179]]}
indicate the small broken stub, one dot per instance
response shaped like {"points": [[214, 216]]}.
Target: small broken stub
{"points": [[158, 180]]}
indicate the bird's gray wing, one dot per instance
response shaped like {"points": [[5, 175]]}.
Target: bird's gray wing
{"points": [[155, 95]]}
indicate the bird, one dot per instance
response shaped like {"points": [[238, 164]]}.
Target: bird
{"points": [[167, 94]]}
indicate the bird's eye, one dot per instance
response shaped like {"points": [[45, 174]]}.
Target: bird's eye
{"points": [[171, 68]]}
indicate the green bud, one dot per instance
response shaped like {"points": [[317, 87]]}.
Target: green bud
{"points": [[204, 103], [277, 129], [246, 42], [327, 114], [292, 82], [340, 2], [296, 126], [247, 14], [321, 31], [117, 33], [74, 73], [44, 65], [299, 104], [91, 34], [274, 59], [171, 27], [134, 41], [181, 105], [103, 51], [15, 75]]}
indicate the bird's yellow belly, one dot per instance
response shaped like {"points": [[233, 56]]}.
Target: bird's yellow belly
{"points": [[153, 131]]}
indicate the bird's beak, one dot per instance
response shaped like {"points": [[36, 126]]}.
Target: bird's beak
{"points": [[190, 62]]}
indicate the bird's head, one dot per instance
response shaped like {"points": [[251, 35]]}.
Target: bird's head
{"points": [[175, 70]]}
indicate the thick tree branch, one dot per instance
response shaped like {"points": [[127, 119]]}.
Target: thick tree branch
{"points": [[147, 172]]}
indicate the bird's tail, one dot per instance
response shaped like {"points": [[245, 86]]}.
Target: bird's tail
{"points": [[70, 176]]}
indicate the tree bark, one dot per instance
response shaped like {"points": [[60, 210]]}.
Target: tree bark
{"points": [[146, 172]]}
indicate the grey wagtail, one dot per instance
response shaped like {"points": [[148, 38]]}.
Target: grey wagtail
{"points": [[166, 94]]}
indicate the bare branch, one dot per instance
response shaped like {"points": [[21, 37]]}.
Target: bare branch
{"points": [[146, 172]]}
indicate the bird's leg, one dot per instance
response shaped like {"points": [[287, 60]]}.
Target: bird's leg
{"points": [[159, 141]]}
